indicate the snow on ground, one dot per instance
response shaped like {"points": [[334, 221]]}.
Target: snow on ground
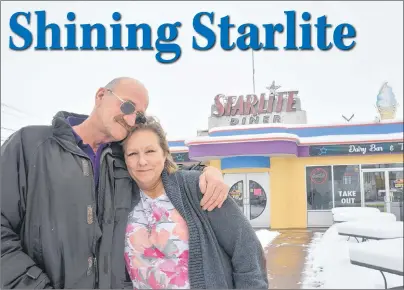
{"points": [[328, 266], [266, 237]]}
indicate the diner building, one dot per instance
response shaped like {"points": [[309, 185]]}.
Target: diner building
{"points": [[290, 174]]}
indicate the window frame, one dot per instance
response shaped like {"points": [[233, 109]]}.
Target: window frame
{"points": [[332, 185], [360, 182], [361, 170]]}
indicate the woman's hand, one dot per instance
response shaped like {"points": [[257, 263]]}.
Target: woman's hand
{"points": [[213, 188]]}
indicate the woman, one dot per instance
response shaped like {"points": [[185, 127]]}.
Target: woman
{"points": [[170, 241]]}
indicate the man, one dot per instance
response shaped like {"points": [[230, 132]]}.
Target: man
{"points": [[64, 209]]}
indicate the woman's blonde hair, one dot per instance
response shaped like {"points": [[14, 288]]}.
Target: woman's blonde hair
{"points": [[152, 124]]}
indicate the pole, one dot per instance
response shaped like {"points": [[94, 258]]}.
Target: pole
{"points": [[401, 201], [253, 70]]}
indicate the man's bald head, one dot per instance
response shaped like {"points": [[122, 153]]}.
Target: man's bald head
{"points": [[116, 81], [127, 82], [109, 100]]}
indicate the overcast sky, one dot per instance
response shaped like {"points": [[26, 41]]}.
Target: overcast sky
{"points": [[330, 83]]}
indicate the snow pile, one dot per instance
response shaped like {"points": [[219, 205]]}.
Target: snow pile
{"points": [[386, 254], [328, 266], [266, 237], [378, 230], [355, 209], [362, 215]]}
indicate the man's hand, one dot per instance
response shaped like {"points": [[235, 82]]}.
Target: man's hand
{"points": [[213, 188]]}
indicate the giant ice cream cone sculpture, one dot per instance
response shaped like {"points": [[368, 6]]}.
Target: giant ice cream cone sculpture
{"points": [[386, 103], [386, 114]]}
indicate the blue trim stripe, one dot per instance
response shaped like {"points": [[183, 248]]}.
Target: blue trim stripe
{"points": [[176, 143], [245, 162], [321, 131]]}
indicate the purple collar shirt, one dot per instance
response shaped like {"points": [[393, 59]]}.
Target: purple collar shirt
{"points": [[94, 156]]}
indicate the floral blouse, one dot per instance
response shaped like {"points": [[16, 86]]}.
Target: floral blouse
{"points": [[156, 245]]}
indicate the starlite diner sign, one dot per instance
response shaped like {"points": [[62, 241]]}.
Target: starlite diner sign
{"points": [[270, 107], [356, 149]]}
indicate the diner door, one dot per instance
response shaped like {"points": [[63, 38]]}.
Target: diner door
{"points": [[383, 188], [251, 193]]}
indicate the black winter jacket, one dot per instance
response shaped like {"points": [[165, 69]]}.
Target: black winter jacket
{"points": [[57, 230]]}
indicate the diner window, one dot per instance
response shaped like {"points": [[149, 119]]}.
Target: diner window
{"points": [[347, 191], [386, 165], [319, 188]]}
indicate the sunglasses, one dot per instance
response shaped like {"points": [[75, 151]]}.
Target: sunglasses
{"points": [[128, 108]]}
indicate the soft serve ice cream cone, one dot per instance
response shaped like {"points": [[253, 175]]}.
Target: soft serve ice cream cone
{"points": [[386, 103], [387, 114]]}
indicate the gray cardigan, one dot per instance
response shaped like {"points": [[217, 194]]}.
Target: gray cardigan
{"points": [[224, 251]]}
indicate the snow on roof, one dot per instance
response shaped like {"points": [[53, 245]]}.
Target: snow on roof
{"points": [[286, 126], [335, 139], [242, 138], [175, 149], [288, 136], [351, 138]]}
